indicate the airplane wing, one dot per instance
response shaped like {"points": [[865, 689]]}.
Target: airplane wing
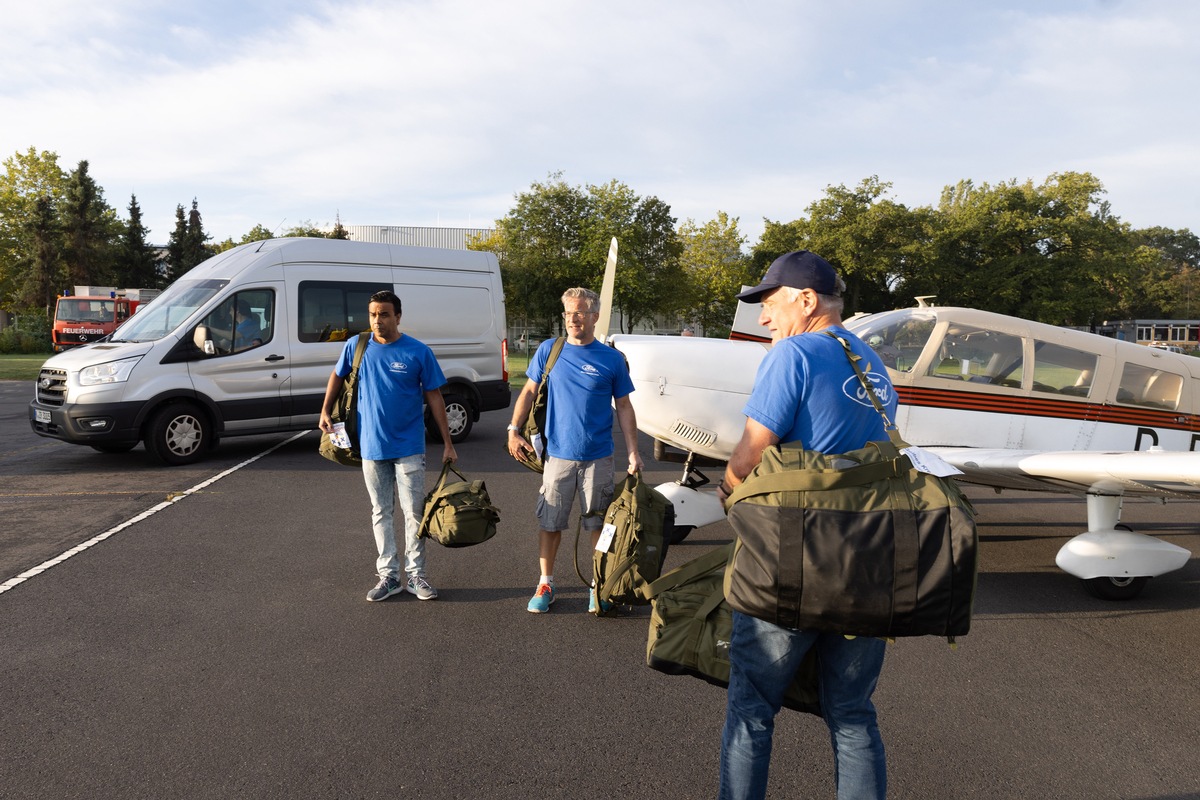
{"points": [[1159, 473]]}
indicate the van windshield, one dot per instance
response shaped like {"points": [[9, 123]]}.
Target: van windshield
{"points": [[169, 310]]}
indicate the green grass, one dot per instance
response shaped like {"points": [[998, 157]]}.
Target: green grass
{"points": [[21, 367]]}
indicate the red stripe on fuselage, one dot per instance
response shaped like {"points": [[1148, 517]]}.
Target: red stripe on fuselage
{"points": [[1025, 405]]}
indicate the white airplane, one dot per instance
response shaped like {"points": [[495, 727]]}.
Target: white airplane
{"points": [[1013, 404]]}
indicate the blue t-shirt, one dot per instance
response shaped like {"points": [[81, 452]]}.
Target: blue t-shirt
{"points": [[807, 392], [583, 383], [392, 381]]}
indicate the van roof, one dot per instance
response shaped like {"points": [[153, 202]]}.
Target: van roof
{"points": [[342, 251]]}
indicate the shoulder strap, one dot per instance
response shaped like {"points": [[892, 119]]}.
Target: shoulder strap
{"points": [[713, 559], [892, 431], [359, 349], [555, 349]]}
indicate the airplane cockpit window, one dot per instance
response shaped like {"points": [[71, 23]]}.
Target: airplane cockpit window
{"points": [[980, 356], [897, 336], [1147, 386], [1062, 370]]}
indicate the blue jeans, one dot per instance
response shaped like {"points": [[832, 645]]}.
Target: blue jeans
{"points": [[385, 480], [764, 658]]}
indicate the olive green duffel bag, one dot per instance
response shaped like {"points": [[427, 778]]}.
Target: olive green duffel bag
{"points": [[859, 543], [691, 625]]}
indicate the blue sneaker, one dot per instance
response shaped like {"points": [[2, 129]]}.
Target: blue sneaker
{"points": [[386, 588], [595, 607], [542, 599]]}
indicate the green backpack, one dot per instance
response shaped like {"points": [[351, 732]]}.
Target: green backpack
{"points": [[633, 542], [535, 423]]}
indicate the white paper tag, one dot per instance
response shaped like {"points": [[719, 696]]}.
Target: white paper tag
{"points": [[338, 437], [930, 463], [606, 536]]}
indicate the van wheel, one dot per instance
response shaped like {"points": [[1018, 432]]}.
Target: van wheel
{"points": [[178, 434], [458, 416]]}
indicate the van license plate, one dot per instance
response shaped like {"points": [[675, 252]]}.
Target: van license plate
{"points": [[40, 415]]}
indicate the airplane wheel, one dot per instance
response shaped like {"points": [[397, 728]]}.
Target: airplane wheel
{"points": [[679, 533], [1116, 588]]}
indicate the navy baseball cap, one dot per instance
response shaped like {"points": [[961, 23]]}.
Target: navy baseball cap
{"points": [[800, 270]]}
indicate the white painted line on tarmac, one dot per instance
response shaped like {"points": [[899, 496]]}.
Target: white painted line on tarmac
{"points": [[12, 583]]}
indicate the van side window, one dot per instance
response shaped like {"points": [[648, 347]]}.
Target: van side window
{"points": [[980, 356], [334, 311], [242, 321], [1062, 370], [1147, 386]]}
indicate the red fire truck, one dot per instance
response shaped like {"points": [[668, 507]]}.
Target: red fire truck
{"points": [[94, 312]]}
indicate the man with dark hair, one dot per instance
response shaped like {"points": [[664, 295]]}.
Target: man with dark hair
{"points": [[247, 334], [586, 382], [397, 377], [805, 391]]}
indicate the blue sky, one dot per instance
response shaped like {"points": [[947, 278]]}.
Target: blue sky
{"points": [[439, 113]]}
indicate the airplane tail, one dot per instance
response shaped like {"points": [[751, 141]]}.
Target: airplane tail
{"points": [[606, 292], [745, 323]]}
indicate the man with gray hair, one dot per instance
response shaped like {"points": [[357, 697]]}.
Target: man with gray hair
{"points": [[805, 391], [588, 379]]}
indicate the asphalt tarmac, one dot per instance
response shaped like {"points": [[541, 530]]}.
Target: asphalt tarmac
{"points": [[221, 646]]}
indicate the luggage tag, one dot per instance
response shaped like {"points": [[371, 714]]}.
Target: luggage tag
{"points": [[606, 536], [930, 463], [338, 437]]}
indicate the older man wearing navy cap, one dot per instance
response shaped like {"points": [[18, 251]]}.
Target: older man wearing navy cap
{"points": [[805, 391]]}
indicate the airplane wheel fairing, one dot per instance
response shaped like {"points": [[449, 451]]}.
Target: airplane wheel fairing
{"points": [[178, 434], [1116, 588]]}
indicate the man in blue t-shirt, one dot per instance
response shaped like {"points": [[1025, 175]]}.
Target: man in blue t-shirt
{"points": [[397, 377], [588, 379], [805, 391]]}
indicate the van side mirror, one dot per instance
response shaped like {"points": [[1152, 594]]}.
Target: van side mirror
{"points": [[202, 341]]}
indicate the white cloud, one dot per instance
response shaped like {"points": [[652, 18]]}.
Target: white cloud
{"points": [[438, 113]]}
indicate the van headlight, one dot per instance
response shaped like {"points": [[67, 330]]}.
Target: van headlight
{"points": [[112, 372]]}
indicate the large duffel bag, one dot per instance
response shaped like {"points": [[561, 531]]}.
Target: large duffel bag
{"points": [[458, 514], [858, 543], [691, 625]]}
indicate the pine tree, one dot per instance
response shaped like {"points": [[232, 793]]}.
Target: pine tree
{"points": [[45, 264], [138, 263], [176, 247], [90, 228], [194, 249]]}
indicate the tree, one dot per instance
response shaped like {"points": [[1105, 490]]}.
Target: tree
{"points": [[91, 230], [31, 187], [716, 269], [177, 247], [557, 236], [868, 239], [338, 232], [305, 228], [45, 259], [1014, 247], [541, 242], [137, 264]]}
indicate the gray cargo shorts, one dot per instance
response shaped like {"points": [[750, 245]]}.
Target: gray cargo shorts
{"points": [[561, 479]]}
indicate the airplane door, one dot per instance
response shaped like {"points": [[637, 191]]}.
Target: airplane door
{"points": [[248, 370]]}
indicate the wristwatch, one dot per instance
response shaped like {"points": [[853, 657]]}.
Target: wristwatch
{"points": [[514, 428]]}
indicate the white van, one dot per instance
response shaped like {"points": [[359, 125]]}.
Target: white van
{"points": [[188, 368]]}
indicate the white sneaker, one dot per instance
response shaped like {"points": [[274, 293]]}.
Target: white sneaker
{"points": [[420, 587]]}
